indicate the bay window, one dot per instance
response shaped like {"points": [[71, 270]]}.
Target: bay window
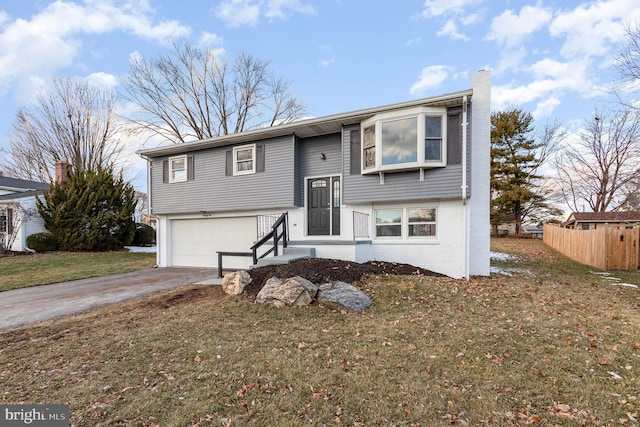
{"points": [[411, 139]]}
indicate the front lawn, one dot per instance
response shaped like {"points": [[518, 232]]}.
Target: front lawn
{"points": [[39, 269], [545, 342]]}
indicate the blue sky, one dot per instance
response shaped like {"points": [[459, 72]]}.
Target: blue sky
{"points": [[552, 58]]}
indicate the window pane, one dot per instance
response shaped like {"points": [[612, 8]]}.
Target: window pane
{"points": [[177, 164], [369, 147], [245, 166], [370, 157], [432, 149], [179, 175], [433, 127], [336, 194], [388, 230], [369, 139], [400, 141], [422, 230], [389, 216], [246, 154], [422, 215], [319, 183]]}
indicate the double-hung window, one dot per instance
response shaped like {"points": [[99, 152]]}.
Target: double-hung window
{"points": [[178, 169], [244, 160], [406, 223], [410, 139]]}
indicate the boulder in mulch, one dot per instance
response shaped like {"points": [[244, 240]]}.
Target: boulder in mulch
{"points": [[292, 292], [234, 283]]}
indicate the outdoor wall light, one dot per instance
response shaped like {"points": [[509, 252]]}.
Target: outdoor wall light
{"points": [[322, 156]]}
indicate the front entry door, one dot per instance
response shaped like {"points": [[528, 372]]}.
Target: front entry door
{"points": [[323, 206]]}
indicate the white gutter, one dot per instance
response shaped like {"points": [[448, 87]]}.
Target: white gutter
{"points": [[465, 209]]}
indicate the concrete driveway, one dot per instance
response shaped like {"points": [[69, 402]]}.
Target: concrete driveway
{"points": [[38, 303]]}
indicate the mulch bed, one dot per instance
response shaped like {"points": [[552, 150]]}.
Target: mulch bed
{"points": [[322, 270]]}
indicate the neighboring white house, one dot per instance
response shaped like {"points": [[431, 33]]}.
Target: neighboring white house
{"points": [[18, 213], [407, 183]]}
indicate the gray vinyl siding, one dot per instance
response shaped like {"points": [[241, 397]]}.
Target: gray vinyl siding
{"points": [[212, 191], [311, 150], [439, 183]]}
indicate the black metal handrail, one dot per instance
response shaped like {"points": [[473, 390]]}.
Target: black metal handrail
{"points": [[274, 235]]}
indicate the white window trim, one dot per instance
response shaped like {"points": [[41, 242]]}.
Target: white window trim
{"points": [[420, 114], [171, 160], [235, 159], [404, 233]]}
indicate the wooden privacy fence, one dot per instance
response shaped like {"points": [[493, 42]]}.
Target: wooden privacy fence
{"points": [[606, 248]]}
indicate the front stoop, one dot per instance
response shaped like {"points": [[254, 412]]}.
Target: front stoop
{"points": [[288, 254]]}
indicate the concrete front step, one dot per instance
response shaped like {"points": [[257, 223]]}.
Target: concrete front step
{"points": [[289, 254]]}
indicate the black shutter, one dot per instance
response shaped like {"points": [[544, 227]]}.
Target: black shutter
{"points": [[228, 169], [355, 152], [454, 136], [260, 158], [165, 171], [190, 171], [9, 221]]}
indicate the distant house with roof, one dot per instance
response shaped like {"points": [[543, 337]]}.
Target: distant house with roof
{"points": [[594, 220], [18, 213]]}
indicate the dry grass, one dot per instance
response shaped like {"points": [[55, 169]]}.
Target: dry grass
{"points": [[545, 346], [53, 267]]}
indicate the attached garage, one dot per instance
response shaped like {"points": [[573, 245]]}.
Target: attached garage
{"points": [[194, 242]]}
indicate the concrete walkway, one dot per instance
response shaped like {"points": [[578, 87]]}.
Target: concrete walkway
{"points": [[38, 303]]}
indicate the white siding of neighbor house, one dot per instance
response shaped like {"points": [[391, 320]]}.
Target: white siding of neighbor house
{"points": [[33, 225]]}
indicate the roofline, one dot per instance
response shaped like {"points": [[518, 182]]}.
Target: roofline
{"points": [[290, 128]]}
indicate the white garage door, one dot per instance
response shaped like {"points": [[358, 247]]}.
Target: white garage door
{"points": [[194, 242]]}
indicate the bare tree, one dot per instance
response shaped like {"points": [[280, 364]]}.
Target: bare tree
{"points": [[628, 61], [72, 121], [191, 93], [599, 168]]}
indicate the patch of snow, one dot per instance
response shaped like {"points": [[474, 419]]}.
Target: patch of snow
{"points": [[500, 256], [628, 285], [148, 249]]}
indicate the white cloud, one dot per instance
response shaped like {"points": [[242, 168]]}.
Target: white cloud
{"points": [[103, 80], [591, 28], [31, 50], [212, 41], [546, 107], [236, 13], [326, 62], [512, 29], [438, 7], [278, 8], [450, 29], [430, 78]]}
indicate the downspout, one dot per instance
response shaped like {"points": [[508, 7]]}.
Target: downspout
{"points": [[465, 220]]}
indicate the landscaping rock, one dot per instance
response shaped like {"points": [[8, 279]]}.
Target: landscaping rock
{"points": [[345, 295], [234, 283], [293, 292]]}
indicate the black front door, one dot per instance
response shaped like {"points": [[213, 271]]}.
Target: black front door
{"points": [[319, 206], [323, 206]]}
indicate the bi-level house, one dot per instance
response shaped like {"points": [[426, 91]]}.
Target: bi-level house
{"points": [[405, 183]]}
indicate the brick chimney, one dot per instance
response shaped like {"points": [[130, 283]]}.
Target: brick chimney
{"points": [[62, 173]]}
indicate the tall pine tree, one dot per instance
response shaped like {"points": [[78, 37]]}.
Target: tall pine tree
{"points": [[93, 211], [516, 187]]}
